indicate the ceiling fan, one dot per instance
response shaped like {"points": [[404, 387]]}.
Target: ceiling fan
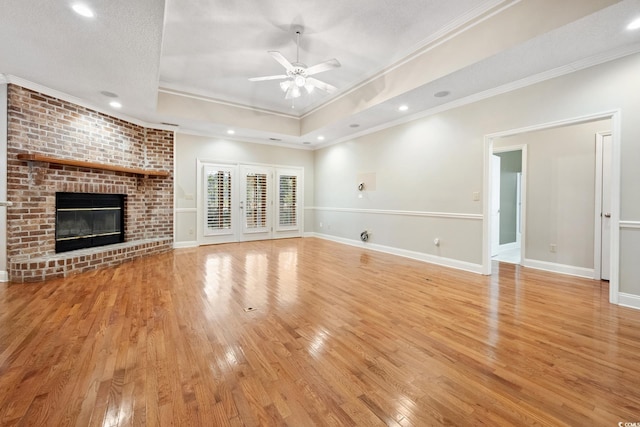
{"points": [[298, 75]]}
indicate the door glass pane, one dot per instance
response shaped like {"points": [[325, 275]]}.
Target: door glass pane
{"points": [[219, 200], [287, 205], [256, 202]]}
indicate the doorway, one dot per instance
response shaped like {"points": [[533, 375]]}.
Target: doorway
{"points": [[548, 246], [507, 200], [244, 202]]}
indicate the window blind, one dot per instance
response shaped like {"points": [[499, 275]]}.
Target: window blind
{"points": [[287, 204], [219, 200], [256, 201]]}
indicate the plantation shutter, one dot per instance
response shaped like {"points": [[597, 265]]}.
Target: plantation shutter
{"points": [[256, 201], [218, 213], [287, 201]]}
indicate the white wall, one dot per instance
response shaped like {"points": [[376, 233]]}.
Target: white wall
{"points": [[190, 148], [4, 275], [560, 192], [434, 164]]}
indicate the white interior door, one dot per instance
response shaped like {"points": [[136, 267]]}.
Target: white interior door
{"points": [[256, 202], [495, 205], [219, 197], [605, 261]]}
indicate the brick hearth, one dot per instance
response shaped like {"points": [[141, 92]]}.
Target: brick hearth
{"points": [[48, 126]]}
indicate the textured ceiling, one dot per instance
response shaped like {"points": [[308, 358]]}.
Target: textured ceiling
{"points": [[212, 47], [147, 51]]}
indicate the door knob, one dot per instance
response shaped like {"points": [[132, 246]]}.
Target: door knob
{"points": [[607, 215]]}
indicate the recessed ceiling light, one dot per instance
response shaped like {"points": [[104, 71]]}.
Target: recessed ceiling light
{"points": [[441, 94], [275, 139], [83, 10], [115, 104], [403, 108], [306, 143], [354, 125], [109, 94], [231, 131], [321, 138], [634, 25]]}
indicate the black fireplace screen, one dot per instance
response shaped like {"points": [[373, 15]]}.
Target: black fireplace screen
{"points": [[85, 220]]}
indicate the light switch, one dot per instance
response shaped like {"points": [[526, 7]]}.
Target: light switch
{"points": [[476, 196]]}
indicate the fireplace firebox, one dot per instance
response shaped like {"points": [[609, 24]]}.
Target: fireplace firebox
{"points": [[86, 220]]}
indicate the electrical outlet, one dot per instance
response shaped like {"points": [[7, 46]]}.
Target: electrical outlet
{"points": [[320, 224], [476, 196], [191, 232], [553, 248]]}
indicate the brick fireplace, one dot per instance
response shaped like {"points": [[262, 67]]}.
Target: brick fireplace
{"points": [[42, 125]]}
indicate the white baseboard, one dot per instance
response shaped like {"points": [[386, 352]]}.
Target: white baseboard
{"points": [[309, 234], [629, 300], [419, 256], [559, 268], [4, 276], [179, 245]]}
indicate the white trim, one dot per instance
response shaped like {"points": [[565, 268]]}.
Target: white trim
{"points": [[630, 225], [309, 234], [489, 93], [186, 210], [614, 279], [402, 213], [615, 116], [629, 300], [419, 256], [3, 79], [171, 89], [249, 139], [559, 268], [190, 244], [4, 259], [19, 81]]}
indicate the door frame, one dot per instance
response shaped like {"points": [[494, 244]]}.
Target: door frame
{"points": [[615, 116], [523, 192]]}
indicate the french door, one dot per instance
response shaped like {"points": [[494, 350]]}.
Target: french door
{"points": [[249, 202]]}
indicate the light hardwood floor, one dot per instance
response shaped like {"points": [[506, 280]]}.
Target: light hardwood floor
{"points": [[340, 336]]}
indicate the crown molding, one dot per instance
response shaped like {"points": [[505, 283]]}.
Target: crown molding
{"points": [[170, 91], [19, 81], [292, 145], [509, 87]]}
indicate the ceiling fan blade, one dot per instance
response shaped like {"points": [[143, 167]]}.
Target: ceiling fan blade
{"points": [[260, 79], [281, 59], [323, 66], [321, 85]]}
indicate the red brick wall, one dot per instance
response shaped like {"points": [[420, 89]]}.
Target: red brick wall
{"points": [[44, 125]]}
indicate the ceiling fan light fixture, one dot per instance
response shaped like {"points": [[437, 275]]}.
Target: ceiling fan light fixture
{"points": [[295, 92], [300, 80], [285, 85], [309, 88]]}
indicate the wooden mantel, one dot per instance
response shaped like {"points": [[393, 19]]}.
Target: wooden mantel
{"points": [[29, 157]]}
